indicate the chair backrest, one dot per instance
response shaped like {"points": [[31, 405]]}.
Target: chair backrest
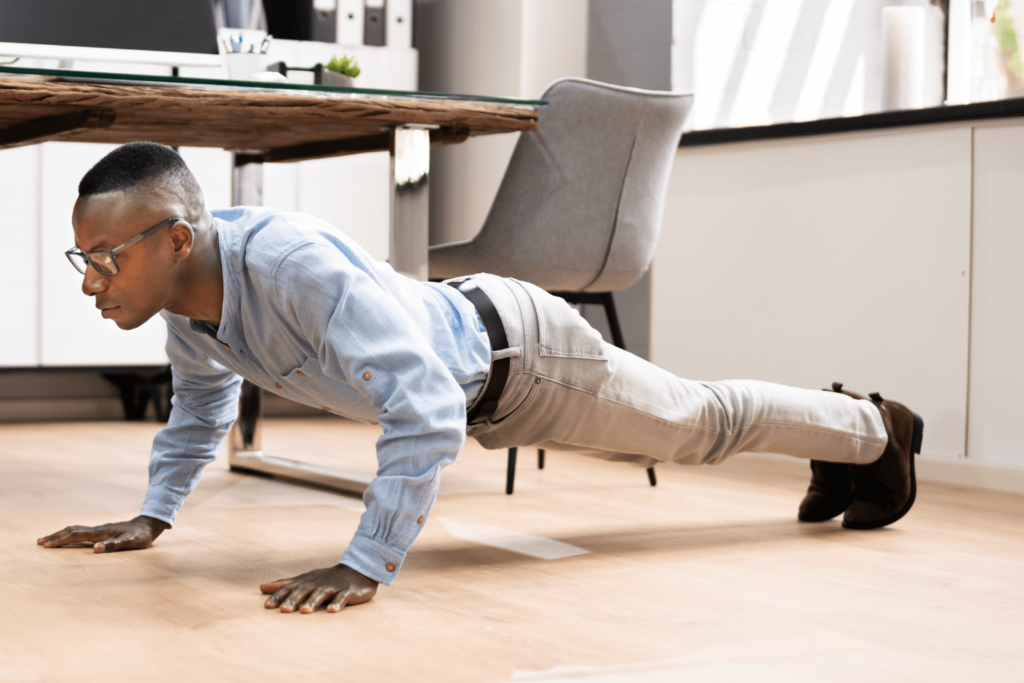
{"points": [[580, 206]]}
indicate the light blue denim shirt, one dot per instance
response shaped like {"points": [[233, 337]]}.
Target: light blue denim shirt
{"points": [[311, 316]]}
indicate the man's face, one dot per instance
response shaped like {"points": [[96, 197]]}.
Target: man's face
{"points": [[144, 281]]}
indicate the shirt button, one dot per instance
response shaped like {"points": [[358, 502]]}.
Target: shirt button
{"points": [[390, 567], [419, 521], [228, 348], [327, 409], [367, 376], [537, 381], [300, 373], [277, 384]]}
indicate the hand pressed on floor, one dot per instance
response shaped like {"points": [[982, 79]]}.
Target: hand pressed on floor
{"points": [[135, 534], [336, 586]]}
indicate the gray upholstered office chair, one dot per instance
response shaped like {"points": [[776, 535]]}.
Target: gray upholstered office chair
{"points": [[579, 209]]}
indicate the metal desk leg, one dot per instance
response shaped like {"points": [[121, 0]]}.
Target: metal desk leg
{"points": [[244, 443], [410, 200]]}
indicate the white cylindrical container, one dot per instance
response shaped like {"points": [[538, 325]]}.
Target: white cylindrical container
{"points": [[242, 65], [903, 33]]}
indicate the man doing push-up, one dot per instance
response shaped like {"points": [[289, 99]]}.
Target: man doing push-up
{"points": [[291, 304]]}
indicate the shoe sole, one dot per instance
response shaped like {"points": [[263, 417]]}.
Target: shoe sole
{"points": [[820, 518], [809, 518], [915, 449]]}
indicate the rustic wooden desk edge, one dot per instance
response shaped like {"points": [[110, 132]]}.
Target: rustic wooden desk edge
{"points": [[283, 126]]}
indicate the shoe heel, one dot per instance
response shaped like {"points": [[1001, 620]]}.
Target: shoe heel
{"points": [[915, 445]]}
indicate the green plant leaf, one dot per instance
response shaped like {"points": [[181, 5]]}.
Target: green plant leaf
{"points": [[346, 65]]}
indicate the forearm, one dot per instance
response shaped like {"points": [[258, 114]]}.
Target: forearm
{"points": [[181, 451], [399, 499]]}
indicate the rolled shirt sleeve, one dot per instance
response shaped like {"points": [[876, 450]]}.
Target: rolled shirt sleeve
{"points": [[204, 406], [364, 338]]}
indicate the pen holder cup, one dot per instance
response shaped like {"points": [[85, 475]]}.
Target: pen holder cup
{"points": [[242, 65]]}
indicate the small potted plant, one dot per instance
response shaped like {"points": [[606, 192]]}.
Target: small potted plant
{"points": [[341, 72]]}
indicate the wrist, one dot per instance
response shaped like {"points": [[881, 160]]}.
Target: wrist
{"points": [[345, 568], [157, 526]]}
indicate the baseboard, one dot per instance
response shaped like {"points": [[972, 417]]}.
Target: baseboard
{"points": [[968, 472], [1008, 478], [77, 409], [60, 409]]}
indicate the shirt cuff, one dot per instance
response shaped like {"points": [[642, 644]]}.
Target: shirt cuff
{"points": [[373, 559], [162, 503]]}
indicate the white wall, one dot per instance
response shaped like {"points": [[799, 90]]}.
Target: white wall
{"points": [[630, 43], [755, 62], [505, 48]]}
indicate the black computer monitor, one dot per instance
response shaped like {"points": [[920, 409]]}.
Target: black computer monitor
{"points": [[175, 32]]}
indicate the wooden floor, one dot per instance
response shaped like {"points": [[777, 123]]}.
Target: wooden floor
{"points": [[707, 577]]}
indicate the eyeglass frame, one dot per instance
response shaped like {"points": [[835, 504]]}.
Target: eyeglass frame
{"points": [[75, 251]]}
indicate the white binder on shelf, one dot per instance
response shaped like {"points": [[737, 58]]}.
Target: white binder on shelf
{"points": [[350, 22], [399, 19]]}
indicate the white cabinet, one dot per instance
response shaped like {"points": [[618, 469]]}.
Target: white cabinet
{"points": [[831, 258], [19, 311], [995, 428], [72, 331], [350, 193]]}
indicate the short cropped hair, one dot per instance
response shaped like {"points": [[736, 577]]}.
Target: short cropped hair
{"points": [[129, 166]]}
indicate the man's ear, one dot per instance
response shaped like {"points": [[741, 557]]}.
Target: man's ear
{"points": [[182, 240]]}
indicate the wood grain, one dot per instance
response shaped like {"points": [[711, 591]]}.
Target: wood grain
{"points": [[707, 577], [246, 119]]}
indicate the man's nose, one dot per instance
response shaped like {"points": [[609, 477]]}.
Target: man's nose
{"points": [[92, 282]]}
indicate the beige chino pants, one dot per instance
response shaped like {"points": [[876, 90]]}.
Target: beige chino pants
{"points": [[569, 390]]}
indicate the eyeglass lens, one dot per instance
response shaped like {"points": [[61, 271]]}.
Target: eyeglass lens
{"points": [[102, 262]]}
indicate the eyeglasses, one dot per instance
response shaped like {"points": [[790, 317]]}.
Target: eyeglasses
{"points": [[103, 260]]}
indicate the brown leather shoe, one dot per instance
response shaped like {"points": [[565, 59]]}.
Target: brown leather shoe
{"points": [[886, 489], [832, 489], [830, 493]]}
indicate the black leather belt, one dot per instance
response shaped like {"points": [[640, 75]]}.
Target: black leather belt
{"points": [[498, 376]]}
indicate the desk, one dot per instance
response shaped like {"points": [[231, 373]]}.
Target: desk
{"points": [[259, 123]]}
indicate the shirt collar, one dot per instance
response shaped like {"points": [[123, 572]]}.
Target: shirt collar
{"points": [[226, 239]]}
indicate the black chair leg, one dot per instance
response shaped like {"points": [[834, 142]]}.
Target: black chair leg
{"points": [[620, 341], [613, 320], [510, 477], [540, 458]]}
